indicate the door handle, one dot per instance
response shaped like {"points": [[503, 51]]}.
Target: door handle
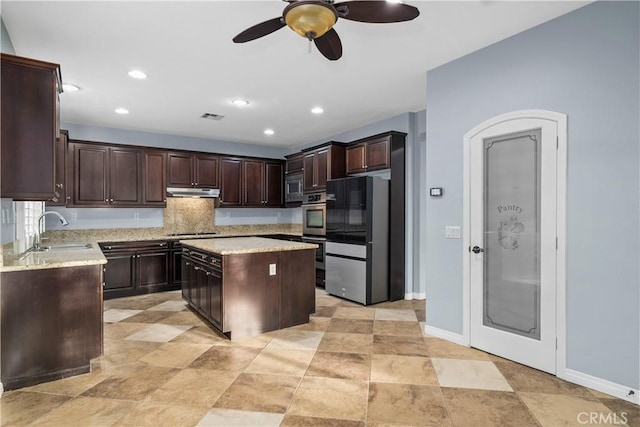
{"points": [[477, 249]]}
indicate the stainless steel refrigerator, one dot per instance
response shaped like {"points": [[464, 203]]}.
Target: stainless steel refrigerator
{"points": [[357, 231]]}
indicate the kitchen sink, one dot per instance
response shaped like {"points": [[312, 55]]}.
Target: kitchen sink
{"points": [[67, 247]]}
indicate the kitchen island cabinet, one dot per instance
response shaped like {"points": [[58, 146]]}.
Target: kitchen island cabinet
{"points": [[249, 285], [50, 315]]}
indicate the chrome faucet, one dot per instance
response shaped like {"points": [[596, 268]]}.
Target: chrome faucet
{"points": [[36, 242]]}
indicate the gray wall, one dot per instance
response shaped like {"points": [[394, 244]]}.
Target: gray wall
{"points": [[149, 139], [6, 45], [584, 64]]}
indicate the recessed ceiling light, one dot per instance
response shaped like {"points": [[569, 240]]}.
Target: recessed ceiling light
{"points": [[122, 110], [66, 87], [317, 110], [137, 74], [240, 102], [269, 132]]}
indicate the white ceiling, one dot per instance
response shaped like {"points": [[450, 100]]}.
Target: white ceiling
{"points": [[194, 67]]}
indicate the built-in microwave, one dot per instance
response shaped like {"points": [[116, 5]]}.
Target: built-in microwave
{"points": [[293, 188]]}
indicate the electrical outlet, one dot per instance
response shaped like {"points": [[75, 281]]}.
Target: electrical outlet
{"points": [[136, 215], [272, 269], [74, 216], [228, 214]]}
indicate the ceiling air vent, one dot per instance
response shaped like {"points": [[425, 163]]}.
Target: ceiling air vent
{"points": [[212, 116]]}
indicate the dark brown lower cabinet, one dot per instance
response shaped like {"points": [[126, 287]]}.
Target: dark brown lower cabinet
{"points": [[51, 324], [238, 295], [135, 268]]}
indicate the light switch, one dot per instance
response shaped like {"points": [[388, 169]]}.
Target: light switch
{"points": [[272, 269], [452, 232]]}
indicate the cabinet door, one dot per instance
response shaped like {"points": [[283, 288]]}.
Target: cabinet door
{"points": [[356, 158], [153, 268], [90, 172], [29, 106], [199, 291], [321, 165], [119, 271], [253, 176], [188, 279], [176, 267], [378, 154], [308, 175], [154, 178], [230, 182], [215, 298], [60, 198], [295, 163], [179, 170], [273, 185], [125, 177], [206, 171]]}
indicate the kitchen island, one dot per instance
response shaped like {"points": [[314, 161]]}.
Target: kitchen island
{"points": [[245, 286]]}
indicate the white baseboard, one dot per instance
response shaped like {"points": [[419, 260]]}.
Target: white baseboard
{"points": [[603, 386], [445, 335], [415, 295]]}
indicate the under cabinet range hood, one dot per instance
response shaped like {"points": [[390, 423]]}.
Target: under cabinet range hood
{"points": [[193, 192]]}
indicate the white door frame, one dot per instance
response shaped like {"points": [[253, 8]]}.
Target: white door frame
{"points": [[561, 217]]}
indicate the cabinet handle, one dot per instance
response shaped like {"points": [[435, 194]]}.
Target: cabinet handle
{"points": [[68, 197], [110, 200], [196, 184], [108, 247], [196, 268], [163, 244], [106, 200], [187, 263], [208, 273]]}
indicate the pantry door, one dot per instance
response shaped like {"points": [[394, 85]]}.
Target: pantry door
{"points": [[512, 239]]}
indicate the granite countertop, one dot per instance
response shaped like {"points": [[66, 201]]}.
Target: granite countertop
{"points": [[245, 245], [52, 259]]}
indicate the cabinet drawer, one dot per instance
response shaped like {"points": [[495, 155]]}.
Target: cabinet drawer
{"points": [[139, 245], [346, 278]]}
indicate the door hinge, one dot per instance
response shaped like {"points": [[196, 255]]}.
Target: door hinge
{"points": [[556, 243], [556, 343], [557, 142]]}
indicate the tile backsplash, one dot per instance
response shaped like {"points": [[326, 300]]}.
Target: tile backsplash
{"points": [[187, 215]]}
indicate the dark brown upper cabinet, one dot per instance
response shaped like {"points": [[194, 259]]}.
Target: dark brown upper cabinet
{"points": [[230, 182], [30, 126], [154, 165], [369, 156], [295, 163], [105, 175], [321, 164], [192, 170], [263, 183]]}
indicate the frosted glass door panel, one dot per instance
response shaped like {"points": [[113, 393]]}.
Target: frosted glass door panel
{"points": [[511, 282]]}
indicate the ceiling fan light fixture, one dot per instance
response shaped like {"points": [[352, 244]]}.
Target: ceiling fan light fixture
{"points": [[269, 132], [310, 19]]}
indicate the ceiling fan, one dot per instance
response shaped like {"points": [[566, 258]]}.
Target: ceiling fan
{"points": [[314, 20]]}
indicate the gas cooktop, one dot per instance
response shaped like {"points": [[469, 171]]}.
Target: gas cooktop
{"points": [[206, 233]]}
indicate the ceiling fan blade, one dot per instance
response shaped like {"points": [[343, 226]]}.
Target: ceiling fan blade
{"points": [[329, 45], [378, 12], [259, 30]]}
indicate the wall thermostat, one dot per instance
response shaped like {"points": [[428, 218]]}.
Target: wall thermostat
{"points": [[435, 192]]}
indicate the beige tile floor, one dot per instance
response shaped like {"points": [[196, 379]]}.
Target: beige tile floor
{"points": [[350, 366]]}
